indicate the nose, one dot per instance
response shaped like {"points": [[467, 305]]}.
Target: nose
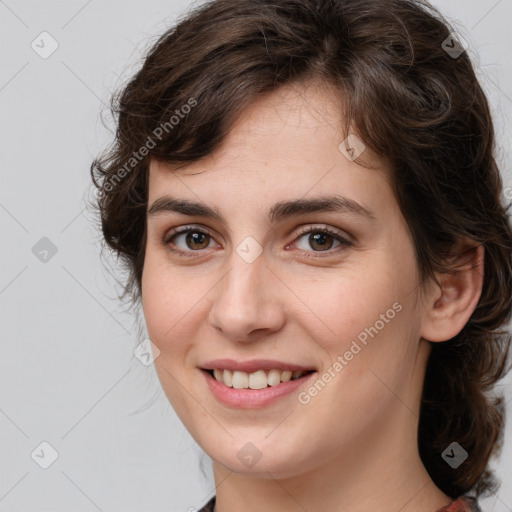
{"points": [[246, 302]]}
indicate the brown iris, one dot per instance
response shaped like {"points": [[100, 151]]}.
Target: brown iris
{"points": [[320, 239]]}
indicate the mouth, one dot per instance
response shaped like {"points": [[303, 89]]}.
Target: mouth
{"points": [[259, 379]]}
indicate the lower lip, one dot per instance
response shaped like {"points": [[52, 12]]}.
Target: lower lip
{"points": [[252, 398]]}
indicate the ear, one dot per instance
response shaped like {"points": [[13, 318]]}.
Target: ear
{"points": [[450, 304]]}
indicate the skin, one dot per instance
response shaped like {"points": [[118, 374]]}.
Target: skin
{"points": [[353, 447]]}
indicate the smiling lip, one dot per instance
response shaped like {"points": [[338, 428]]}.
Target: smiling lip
{"points": [[252, 365], [252, 398]]}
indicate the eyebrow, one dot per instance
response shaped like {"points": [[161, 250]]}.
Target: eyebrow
{"points": [[278, 212]]}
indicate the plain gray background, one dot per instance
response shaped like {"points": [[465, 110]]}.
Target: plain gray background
{"points": [[68, 376]]}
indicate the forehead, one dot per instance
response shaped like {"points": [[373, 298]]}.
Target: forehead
{"points": [[285, 144]]}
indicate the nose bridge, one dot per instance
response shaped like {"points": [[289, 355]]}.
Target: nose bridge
{"points": [[243, 300], [241, 284]]}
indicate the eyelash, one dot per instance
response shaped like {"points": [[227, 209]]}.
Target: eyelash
{"points": [[302, 231]]}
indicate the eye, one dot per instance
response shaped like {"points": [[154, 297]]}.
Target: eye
{"points": [[191, 240], [320, 240]]}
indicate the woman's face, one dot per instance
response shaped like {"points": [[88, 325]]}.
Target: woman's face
{"points": [[330, 287]]}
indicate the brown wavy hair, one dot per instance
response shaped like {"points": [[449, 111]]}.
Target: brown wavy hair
{"points": [[419, 108]]}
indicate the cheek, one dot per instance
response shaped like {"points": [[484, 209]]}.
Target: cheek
{"points": [[368, 350], [162, 310], [367, 317], [173, 302], [168, 312], [353, 300]]}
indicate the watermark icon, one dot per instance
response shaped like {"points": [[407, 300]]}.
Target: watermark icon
{"points": [[146, 352], [249, 249], [352, 147], [150, 143], [454, 455], [455, 45], [44, 250], [44, 455], [44, 45], [304, 397], [508, 193], [249, 454]]}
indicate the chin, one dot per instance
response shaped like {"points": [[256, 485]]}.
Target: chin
{"points": [[265, 460]]}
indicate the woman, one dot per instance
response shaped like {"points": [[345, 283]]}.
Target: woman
{"points": [[305, 196]]}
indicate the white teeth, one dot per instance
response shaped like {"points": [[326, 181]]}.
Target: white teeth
{"points": [[240, 380], [286, 375], [274, 377], [256, 380], [227, 378]]}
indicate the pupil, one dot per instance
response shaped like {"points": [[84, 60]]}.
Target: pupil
{"points": [[193, 238], [319, 239]]}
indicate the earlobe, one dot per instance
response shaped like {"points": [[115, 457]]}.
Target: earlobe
{"points": [[450, 305]]}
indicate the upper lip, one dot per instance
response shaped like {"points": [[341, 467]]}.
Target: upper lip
{"points": [[252, 365]]}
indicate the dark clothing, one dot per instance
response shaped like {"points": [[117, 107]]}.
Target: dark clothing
{"points": [[462, 504]]}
